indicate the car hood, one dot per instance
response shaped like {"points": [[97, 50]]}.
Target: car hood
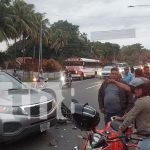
{"points": [[23, 97]]}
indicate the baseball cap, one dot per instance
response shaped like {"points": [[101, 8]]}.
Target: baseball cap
{"points": [[139, 81]]}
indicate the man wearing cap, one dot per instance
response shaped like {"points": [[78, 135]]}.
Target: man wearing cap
{"points": [[140, 113]]}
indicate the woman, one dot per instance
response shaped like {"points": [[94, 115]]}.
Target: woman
{"points": [[140, 113]]}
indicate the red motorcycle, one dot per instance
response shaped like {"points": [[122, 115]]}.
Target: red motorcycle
{"points": [[87, 118], [108, 139]]}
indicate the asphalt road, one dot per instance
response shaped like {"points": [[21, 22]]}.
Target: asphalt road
{"points": [[62, 136]]}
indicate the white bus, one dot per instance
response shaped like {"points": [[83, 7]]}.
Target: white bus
{"points": [[82, 67]]}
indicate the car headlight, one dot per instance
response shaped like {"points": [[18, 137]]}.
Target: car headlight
{"points": [[97, 140], [88, 147], [14, 110], [54, 103], [62, 78], [34, 79], [99, 73]]}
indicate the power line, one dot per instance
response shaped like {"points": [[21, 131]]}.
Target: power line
{"points": [[131, 6]]}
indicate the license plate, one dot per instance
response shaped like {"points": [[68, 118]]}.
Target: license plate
{"points": [[44, 126]]}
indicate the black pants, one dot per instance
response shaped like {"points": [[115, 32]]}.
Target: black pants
{"points": [[107, 116]]}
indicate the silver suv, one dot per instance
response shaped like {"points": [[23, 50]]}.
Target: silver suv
{"points": [[23, 110]]}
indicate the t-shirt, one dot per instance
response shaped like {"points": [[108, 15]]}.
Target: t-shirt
{"points": [[112, 99], [129, 77]]}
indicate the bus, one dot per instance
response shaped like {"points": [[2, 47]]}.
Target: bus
{"points": [[82, 67]]}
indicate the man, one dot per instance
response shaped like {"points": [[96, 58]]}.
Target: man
{"points": [[41, 76], [112, 99], [127, 75], [138, 73], [146, 72], [16, 75], [140, 113]]}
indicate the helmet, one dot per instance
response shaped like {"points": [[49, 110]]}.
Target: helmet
{"points": [[142, 83], [84, 116], [138, 82]]}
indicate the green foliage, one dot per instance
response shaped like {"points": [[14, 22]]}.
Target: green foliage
{"points": [[19, 21], [132, 53]]}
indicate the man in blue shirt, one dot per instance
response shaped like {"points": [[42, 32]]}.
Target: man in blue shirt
{"points": [[127, 75]]}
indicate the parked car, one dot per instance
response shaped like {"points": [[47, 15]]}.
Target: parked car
{"points": [[106, 71], [23, 110]]}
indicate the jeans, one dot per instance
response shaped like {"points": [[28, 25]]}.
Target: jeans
{"points": [[107, 116], [144, 145]]}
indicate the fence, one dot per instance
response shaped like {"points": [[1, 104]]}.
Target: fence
{"points": [[28, 75]]}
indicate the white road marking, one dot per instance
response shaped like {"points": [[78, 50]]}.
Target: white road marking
{"points": [[92, 86]]}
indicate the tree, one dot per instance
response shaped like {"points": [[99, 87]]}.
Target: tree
{"points": [[6, 23], [63, 35], [58, 40], [132, 53]]}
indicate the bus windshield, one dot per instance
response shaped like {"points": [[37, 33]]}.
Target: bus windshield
{"points": [[73, 63]]}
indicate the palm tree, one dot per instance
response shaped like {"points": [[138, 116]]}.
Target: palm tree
{"points": [[59, 40], [22, 14], [6, 22], [38, 18]]}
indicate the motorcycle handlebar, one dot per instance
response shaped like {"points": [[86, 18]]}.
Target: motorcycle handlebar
{"points": [[125, 136]]}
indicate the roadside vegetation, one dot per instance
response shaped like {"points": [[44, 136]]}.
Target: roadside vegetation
{"points": [[21, 23]]}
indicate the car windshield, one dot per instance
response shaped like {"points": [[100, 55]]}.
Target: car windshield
{"points": [[106, 68], [7, 82], [122, 65]]}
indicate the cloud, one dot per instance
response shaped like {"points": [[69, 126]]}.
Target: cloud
{"points": [[104, 13], [94, 15]]}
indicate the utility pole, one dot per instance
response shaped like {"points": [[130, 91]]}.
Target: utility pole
{"points": [[40, 50]]}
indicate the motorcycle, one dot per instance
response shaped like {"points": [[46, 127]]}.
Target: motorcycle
{"points": [[39, 83], [65, 81], [87, 118], [108, 139]]}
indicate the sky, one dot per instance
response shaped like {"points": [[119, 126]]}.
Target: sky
{"points": [[101, 15]]}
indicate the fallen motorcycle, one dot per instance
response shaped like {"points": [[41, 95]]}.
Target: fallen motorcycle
{"points": [[87, 118]]}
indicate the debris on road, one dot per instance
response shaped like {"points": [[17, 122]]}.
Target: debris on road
{"points": [[53, 142], [76, 147], [74, 128]]}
